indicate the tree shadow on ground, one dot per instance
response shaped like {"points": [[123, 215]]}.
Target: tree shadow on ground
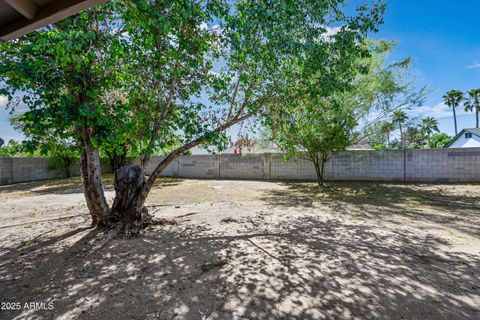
{"points": [[308, 268], [385, 201], [71, 185]]}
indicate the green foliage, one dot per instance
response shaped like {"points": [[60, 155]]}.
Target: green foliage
{"points": [[66, 74], [63, 156], [15, 149], [453, 99], [415, 134], [379, 146], [399, 117], [136, 76], [321, 123], [127, 74], [439, 140], [472, 103], [379, 134]]}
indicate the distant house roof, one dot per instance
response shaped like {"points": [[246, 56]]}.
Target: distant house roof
{"points": [[474, 131], [1, 142]]}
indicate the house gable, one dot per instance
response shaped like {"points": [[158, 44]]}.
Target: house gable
{"points": [[465, 139]]}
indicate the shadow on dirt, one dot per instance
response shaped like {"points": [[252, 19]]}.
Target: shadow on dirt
{"points": [[306, 269], [71, 185], [385, 201]]}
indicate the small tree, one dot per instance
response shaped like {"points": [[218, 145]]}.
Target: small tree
{"points": [[243, 141], [63, 156], [319, 131], [317, 124]]}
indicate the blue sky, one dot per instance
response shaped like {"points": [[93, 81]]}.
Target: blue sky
{"points": [[443, 38]]}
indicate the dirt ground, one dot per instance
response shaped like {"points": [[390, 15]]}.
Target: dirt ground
{"points": [[246, 250]]}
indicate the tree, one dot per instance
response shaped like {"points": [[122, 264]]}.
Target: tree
{"points": [[13, 149], [428, 126], [131, 75], [62, 151], [63, 156], [472, 103], [316, 124], [244, 141], [439, 140], [387, 128], [414, 137], [453, 99], [399, 117]]}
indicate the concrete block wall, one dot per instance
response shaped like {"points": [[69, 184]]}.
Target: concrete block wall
{"points": [[443, 165], [5, 170], [248, 167], [202, 166], [433, 165], [16, 170], [169, 171], [293, 169], [367, 165], [13, 170], [437, 165]]}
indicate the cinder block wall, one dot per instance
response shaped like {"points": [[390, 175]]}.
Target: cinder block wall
{"points": [[6, 170], [367, 165], [16, 170], [438, 165], [248, 167], [443, 165]]}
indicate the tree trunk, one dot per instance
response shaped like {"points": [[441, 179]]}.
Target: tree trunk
{"points": [[319, 164], [455, 119], [91, 173], [132, 189], [128, 206], [401, 136], [118, 160], [67, 171], [87, 188], [476, 117]]}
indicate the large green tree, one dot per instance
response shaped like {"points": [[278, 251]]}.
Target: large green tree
{"points": [[136, 75]]}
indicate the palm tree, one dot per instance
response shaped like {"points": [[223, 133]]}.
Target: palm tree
{"points": [[473, 103], [453, 98], [387, 128], [399, 118], [428, 126]]}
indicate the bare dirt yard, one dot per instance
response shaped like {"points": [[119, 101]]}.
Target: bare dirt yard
{"points": [[246, 250]]}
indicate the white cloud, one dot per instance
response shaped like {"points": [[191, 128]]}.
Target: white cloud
{"points": [[3, 101], [331, 31], [474, 66], [438, 111]]}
